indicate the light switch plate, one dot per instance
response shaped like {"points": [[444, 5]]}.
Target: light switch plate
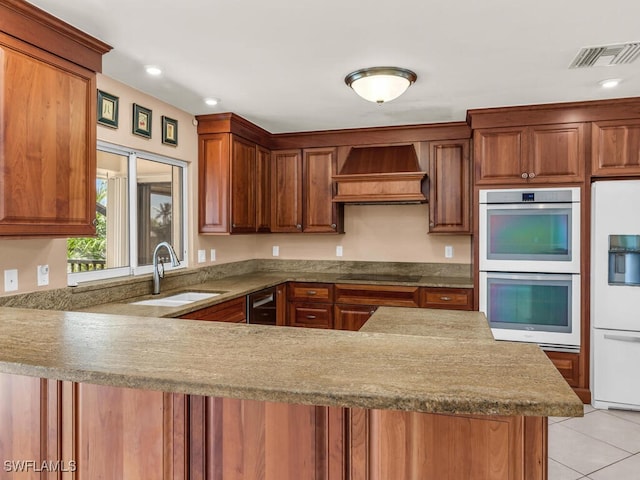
{"points": [[275, 251], [213, 255], [339, 251], [202, 256], [10, 280], [448, 251], [43, 275]]}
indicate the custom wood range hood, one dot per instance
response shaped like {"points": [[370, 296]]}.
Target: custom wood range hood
{"points": [[382, 174]]}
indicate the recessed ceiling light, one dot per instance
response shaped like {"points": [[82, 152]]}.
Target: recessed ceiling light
{"points": [[212, 102], [610, 83], [153, 70]]}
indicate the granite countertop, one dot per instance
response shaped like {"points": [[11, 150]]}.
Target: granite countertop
{"points": [[436, 368], [239, 285]]}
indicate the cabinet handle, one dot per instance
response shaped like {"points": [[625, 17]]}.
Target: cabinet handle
{"points": [[431, 224], [94, 222], [334, 226], [445, 299], [525, 175], [311, 317], [372, 312], [299, 227], [311, 292], [233, 225], [532, 175]]}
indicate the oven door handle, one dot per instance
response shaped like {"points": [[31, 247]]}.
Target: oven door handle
{"points": [[262, 301]]}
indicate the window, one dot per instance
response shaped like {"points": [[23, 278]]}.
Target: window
{"points": [[140, 202]]}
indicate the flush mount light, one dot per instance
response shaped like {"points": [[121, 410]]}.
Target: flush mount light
{"points": [[212, 102], [153, 70], [610, 83], [380, 84]]}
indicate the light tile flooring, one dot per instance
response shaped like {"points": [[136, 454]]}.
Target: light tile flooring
{"points": [[602, 445]]}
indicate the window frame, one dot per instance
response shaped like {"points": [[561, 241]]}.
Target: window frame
{"points": [[133, 269]]}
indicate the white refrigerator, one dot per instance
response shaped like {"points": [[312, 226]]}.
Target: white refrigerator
{"points": [[615, 294]]}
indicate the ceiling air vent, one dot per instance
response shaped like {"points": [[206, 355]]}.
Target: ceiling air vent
{"points": [[606, 55]]}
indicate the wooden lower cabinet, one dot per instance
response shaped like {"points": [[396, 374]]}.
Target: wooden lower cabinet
{"points": [[114, 433], [233, 311], [352, 317]]}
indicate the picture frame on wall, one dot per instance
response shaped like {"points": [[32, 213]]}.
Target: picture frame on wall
{"points": [[141, 121], [107, 109], [169, 131]]}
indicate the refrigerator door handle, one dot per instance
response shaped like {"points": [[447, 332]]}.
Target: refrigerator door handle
{"points": [[622, 338]]}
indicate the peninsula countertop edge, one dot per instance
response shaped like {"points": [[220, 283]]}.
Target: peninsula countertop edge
{"points": [[442, 365]]}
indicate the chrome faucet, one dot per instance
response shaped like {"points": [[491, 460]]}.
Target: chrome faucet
{"points": [[158, 270]]}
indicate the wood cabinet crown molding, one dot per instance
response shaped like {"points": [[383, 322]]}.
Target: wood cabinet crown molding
{"points": [[30, 24], [555, 113]]}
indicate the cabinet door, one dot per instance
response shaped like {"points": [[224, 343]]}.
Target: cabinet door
{"points": [[243, 186], [48, 143], [320, 214], [352, 317], [500, 155], [615, 147], [449, 187], [286, 213], [129, 433], [233, 311], [263, 190], [557, 153], [234, 439], [568, 364], [213, 183], [30, 424]]}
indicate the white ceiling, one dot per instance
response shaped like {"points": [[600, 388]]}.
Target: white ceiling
{"points": [[281, 63]]}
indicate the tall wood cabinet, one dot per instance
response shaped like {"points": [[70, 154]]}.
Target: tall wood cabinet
{"points": [[48, 115], [449, 187]]}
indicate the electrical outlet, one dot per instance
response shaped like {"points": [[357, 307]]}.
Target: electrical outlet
{"points": [[448, 251], [275, 251], [213, 255], [339, 251], [10, 280], [43, 275], [202, 256]]}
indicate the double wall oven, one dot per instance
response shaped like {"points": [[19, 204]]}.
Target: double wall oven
{"points": [[529, 259]]}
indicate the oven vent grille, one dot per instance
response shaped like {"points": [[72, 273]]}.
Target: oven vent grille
{"points": [[606, 55]]}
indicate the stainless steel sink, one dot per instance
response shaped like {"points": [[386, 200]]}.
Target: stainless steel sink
{"points": [[177, 300]]}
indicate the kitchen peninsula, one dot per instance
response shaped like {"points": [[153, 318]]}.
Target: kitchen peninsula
{"points": [[418, 393]]}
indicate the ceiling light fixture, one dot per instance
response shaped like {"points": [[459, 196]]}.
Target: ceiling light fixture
{"points": [[212, 102], [610, 83], [153, 70], [380, 84]]}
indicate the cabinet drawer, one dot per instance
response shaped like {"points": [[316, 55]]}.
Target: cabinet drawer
{"points": [[568, 366], [311, 315], [389, 295], [451, 298], [311, 292], [234, 311]]}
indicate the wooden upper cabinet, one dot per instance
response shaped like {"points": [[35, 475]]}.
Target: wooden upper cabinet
{"points": [[320, 214], [449, 187], [533, 154], [243, 186], [47, 143], [231, 180], [213, 181], [615, 147], [286, 213]]}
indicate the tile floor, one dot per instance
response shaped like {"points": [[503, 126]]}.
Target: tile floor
{"points": [[602, 445]]}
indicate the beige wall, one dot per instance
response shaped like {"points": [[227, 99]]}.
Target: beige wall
{"points": [[373, 232]]}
